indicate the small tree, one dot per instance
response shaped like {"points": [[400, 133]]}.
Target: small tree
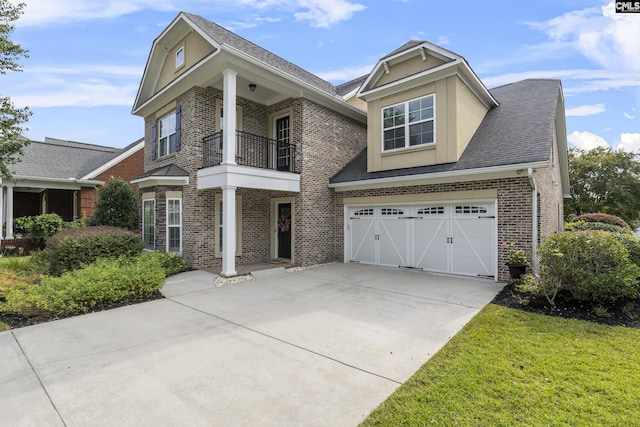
{"points": [[117, 206], [11, 118]]}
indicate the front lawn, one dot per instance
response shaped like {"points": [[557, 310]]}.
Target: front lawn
{"points": [[508, 367]]}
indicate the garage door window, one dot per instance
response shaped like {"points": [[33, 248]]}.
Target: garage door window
{"points": [[433, 210], [471, 210], [363, 212], [391, 211]]}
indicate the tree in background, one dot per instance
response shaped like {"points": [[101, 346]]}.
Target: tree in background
{"points": [[11, 118], [117, 206], [604, 180]]}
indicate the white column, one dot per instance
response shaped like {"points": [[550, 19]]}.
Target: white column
{"points": [[228, 231], [229, 118], [9, 234]]}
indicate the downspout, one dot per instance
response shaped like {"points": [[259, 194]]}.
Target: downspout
{"points": [[534, 221]]}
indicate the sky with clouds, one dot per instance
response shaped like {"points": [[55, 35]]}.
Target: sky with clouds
{"points": [[87, 56]]}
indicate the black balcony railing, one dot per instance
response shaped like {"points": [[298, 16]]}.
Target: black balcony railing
{"points": [[251, 150]]}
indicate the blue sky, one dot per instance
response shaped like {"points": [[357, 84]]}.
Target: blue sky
{"points": [[87, 56]]}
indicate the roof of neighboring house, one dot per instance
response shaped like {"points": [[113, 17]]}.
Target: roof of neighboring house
{"points": [[520, 130], [225, 37], [60, 159]]}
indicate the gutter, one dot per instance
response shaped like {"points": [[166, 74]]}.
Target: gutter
{"points": [[534, 221], [60, 180], [437, 175]]}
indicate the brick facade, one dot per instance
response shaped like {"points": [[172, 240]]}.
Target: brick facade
{"points": [[325, 143]]}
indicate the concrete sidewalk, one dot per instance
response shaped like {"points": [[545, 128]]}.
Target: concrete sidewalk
{"points": [[317, 347]]}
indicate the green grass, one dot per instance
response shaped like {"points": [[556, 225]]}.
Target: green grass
{"points": [[508, 367]]}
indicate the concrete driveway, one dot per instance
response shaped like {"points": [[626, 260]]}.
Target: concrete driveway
{"points": [[317, 347]]}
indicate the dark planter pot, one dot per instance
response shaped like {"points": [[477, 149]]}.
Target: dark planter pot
{"points": [[516, 271]]}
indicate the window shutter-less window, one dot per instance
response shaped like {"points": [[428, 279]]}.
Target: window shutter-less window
{"points": [[178, 126], [154, 137]]}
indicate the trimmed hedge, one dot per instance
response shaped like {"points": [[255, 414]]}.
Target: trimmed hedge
{"points": [[601, 226], [107, 281], [591, 265], [72, 248], [603, 218], [170, 262]]}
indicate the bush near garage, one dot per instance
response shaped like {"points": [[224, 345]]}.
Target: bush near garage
{"points": [[603, 218], [105, 282], [591, 265], [582, 225], [72, 248]]}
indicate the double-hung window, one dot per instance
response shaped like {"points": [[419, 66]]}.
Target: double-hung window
{"points": [[149, 224], [174, 225], [409, 123], [167, 135]]}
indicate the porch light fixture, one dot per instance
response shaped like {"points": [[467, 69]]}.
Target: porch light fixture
{"points": [[252, 87]]}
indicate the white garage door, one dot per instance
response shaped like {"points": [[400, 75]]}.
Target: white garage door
{"points": [[457, 238]]}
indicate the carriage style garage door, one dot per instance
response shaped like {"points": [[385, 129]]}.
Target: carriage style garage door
{"points": [[447, 238]]}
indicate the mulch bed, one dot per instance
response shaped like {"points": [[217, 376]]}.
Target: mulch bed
{"points": [[17, 321], [566, 307]]}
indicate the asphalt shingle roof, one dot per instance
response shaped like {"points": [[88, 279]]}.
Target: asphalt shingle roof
{"points": [[56, 158], [223, 36], [167, 170], [519, 130]]}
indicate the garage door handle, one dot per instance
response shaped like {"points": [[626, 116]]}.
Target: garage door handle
{"points": [[491, 216]]}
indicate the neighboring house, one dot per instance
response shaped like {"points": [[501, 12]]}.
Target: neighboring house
{"points": [[249, 158], [62, 177]]}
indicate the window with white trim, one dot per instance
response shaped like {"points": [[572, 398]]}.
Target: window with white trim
{"points": [[149, 224], [174, 225], [409, 123], [433, 210], [167, 136], [180, 57]]}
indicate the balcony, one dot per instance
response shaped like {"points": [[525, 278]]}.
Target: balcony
{"points": [[261, 163], [251, 150]]}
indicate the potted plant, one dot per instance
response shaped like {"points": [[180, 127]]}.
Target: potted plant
{"points": [[517, 262]]}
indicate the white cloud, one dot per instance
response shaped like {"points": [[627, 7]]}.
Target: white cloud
{"points": [[324, 13], [631, 115], [607, 38], [574, 81], [319, 13], [586, 140], [585, 110], [345, 74], [629, 142], [78, 85]]}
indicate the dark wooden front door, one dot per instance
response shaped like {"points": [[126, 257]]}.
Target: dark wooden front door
{"points": [[284, 230]]}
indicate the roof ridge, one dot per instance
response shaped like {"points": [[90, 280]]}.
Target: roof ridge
{"points": [[233, 34], [76, 144]]}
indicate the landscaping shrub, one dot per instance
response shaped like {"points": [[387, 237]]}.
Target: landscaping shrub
{"points": [[603, 218], [74, 247], [602, 226], [117, 206], [591, 265], [107, 281], [170, 262], [44, 226], [632, 244]]}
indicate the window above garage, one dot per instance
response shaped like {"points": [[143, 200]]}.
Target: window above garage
{"points": [[409, 123]]}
